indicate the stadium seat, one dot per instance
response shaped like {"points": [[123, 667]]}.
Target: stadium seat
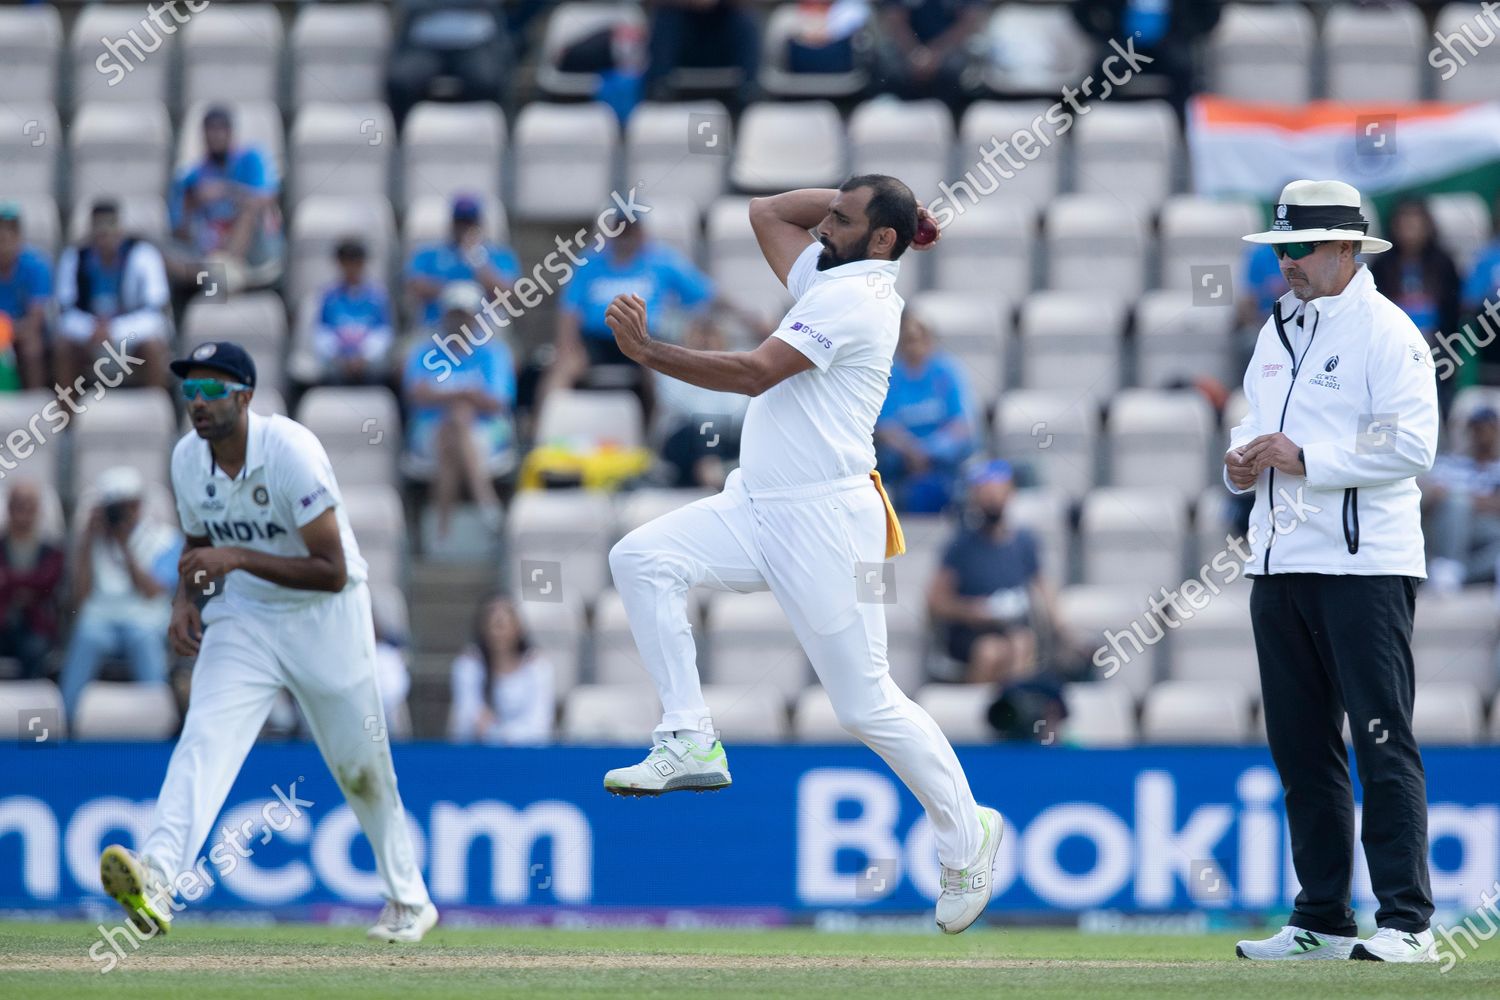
{"points": [[40, 223], [784, 145], [1038, 48], [450, 149], [1133, 537], [1121, 632], [751, 642], [360, 428], [912, 140], [991, 246], [927, 538], [736, 264], [637, 507], [975, 327], [677, 223], [1263, 52], [1099, 715], [51, 524], [1160, 438], [254, 320], [960, 710], [1461, 31], [120, 150], [571, 23], [1454, 639], [682, 149], [1463, 225], [570, 528], [984, 124], [33, 710], [1097, 244], [118, 55], [1044, 511], [30, 47], [389, 609], [319, 222], [338, 52], [590, 419], [1375, 54], [1212, 524], [136, 428], [814, 720], [1176, 340], [232, 53], [379, 524], [30, 136], [1204, 233], [1128, 152], [256, 123], [1447, 713], [17, 409], [1197, 712], [747, 713], [906, 630], [564, 161], [610, 714], [1216, 643], [557, 629], [1050, 433], [135, 710], [1072, 342], [140, 214], [341, 149], [779, 81], [616, 658]]}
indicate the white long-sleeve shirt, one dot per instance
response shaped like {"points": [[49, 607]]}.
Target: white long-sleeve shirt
{"points": [[140, 312], [523, 703], [1355, 389]]}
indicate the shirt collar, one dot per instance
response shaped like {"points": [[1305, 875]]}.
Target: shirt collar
{"points": [[255, 448], [868, 266]]}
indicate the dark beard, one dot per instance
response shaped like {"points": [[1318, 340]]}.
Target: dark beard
{"points": [[830, 257]]}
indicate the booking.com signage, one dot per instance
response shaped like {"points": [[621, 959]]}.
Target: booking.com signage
{"points": [[803, 829]]}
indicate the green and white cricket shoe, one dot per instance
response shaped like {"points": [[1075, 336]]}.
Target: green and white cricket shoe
{"points": [[1391, 945], [966, 891], [400, 923], [138, 886], [1296, 944], [677, 764]]}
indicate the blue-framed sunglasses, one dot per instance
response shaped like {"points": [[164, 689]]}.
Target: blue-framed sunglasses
{"points": [[209, 388], [1297, 251]]}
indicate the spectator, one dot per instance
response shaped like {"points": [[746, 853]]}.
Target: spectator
{"points": [[25, 289], [926, 51], [122, 587], [460, 426], [824, 38], [627, 264], [31, 571], [465, 257], [353, 338], [502, 688], [1461, 502], [699, 428], [1169, 32], [926, 427], [112, 287], [702, 34], [989, 594], [1420, 277], [1483, 285], [224, 213]]}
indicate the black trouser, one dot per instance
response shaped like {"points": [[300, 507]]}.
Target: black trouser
{"points": [[1329, 645]]}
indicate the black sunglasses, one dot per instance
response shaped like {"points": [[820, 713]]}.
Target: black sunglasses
{"points": [[1297, 251]]}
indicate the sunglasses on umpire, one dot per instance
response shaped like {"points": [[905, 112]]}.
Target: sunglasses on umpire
{"points": [[1296, 251], [209, 388]]}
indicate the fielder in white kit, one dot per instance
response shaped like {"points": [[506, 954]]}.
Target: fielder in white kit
{"points": [[260, 506], [803, 509]]}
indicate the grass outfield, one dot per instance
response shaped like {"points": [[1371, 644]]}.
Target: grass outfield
{"points": [[40, 961]]}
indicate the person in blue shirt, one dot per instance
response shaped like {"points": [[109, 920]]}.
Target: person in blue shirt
{"points": [[353, 337], [25, 291], [465, 257], [460, 428], [223, 209], [926, 427], [1481, 285]]}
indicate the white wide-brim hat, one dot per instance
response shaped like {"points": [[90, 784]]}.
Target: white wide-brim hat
{"points": [[1314, 211]]}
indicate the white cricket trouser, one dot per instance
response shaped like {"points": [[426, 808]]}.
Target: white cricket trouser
{"points": [[803, 545], [324, 654]]}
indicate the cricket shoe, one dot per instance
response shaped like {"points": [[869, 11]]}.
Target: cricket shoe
{"points": [[138, 886], [1294, 944], [966, 891], [1391, 945], [399, 922], [677, 764]]}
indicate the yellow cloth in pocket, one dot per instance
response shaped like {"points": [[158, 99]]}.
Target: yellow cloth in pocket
{"points": [[895, 541]]}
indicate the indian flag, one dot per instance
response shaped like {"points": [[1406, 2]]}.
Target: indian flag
{"points": [[1241, 149]]}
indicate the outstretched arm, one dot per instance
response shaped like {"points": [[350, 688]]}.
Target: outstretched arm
{"points": [[781, 223]]}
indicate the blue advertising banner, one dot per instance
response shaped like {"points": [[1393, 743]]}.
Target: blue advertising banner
{"points": [[804, 829]]}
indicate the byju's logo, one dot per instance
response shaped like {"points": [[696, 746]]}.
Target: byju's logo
{"points": [[814, 334]]}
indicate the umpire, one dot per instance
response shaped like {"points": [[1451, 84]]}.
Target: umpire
{"points": [[1342, 418]]}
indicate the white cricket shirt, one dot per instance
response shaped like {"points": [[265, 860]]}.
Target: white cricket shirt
{"points": [[819, 425], [286, 482]]}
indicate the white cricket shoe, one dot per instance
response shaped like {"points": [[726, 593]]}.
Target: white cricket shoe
{"points": [[676, 764], [138, 886], [966, 891], [1391, 945], [1294, 944], [399, 922]]}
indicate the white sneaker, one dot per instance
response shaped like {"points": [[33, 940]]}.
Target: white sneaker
{"points": [[966, 891], [399, 922], [1391, 945], [1295, 944], [677, 764], [138, 886]]}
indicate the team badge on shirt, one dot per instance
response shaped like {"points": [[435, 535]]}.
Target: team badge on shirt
{"points": [[261, 496]]}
